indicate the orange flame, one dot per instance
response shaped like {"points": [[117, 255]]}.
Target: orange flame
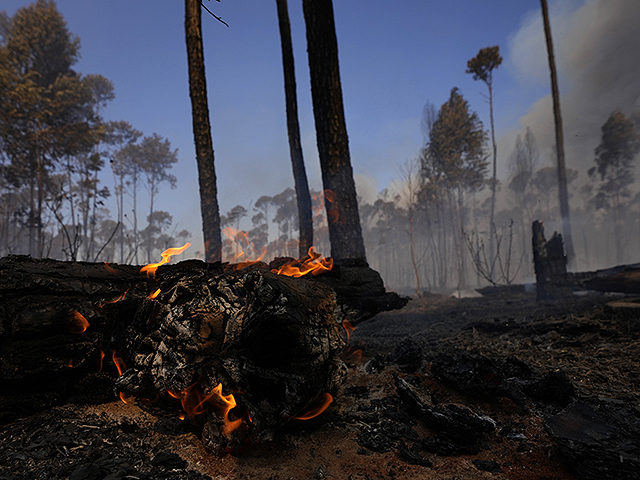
{"points": [[121, 297], [77, 323], [109, 268], [322, 404], [166, 255], [121, 369], [101, 359], [194, 402], [315, 265], [154, 294], [242, 247]]}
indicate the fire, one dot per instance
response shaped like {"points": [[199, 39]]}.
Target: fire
{"points": [[77, 323], [315, 265], [194, 402], [154, 294], [166, 255], [242, 247], [102, 355], [121, 297], [353, 355], [121, 369], [109, 268], [322, 403]]}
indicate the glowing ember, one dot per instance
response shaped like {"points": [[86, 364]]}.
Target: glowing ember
{"points": [[322, 404], [77, 323], [154, 294], [166, 255], [315, 265]]}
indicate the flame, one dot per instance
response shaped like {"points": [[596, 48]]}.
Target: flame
{"points": [[70, 363], [322, 403], [77, 323], [109, 268], [353, 355], [154, 294], [315, 265], [101, 359], [121, 297], [166, 255], [194, 402], [121, 369]]}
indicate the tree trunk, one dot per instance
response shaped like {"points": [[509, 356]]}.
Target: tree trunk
{"points": [[341, 202], [557, 115], [493, 178], [202, 133], [305, 218]]}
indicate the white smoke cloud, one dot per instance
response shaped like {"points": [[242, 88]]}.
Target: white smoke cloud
{"points": [[597, 46]]}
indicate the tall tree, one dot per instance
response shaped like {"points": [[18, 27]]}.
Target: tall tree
{"points": [[614, 156], [202, 132], [563, 193], [455, 161], [341, 202], [45, 108], [482, 66], [305, 218]]}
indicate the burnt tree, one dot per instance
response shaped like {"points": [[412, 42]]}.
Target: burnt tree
{"points": [[202, 133], [341, 202], [303, 196]]}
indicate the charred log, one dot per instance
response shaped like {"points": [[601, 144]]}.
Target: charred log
{"points": [[550, 263], [269, 344]]}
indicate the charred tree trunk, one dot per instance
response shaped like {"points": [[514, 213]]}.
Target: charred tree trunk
{"points": [[557, 116], [202, 133], [549, 262], [341, 201], [303, 196]]}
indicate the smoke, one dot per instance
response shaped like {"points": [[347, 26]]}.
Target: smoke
{"points": [[597, 47]]}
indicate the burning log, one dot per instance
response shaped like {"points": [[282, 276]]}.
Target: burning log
{"points": [[270, 342]]}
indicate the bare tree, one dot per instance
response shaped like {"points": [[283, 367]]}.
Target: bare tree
{"points": [[202, 133], [305, 218], [341, 202], [563, 194]]}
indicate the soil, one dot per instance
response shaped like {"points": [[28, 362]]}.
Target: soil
{"points": [[370, 432]]}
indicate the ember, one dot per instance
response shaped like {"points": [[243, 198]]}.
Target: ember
{"points": [[77, 323]]}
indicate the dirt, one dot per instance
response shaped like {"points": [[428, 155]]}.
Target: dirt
{"points": [[597, 345]]}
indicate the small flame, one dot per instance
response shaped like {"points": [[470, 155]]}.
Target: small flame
{"points": [[102, 355], [154, 294], [194, 402], [352, 355], [121, 297], [70, 363], [121, 369], [238, 241], [77, 323], [109, 268], [322, 404], [166, 255], [315, 265]]}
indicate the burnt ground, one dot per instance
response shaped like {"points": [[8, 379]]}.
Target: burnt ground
{"points": [[560, 382]]}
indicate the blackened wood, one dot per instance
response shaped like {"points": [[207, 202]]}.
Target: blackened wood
{"points": [[550, 263], [271, 340]]}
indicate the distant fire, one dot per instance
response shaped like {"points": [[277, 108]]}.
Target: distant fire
{"points": [[315, 265], [166, 256]]}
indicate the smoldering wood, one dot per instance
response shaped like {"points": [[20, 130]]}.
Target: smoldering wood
{"points": [[550, 263], [271, 340], [42, 363]]}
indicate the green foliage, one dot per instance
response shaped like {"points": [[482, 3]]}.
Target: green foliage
{"points": [[455, 154], [483, 64]]}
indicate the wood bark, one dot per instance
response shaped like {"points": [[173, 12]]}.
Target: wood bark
{"points": [[345, 232], [47, 357], [202, 133], [557, 116], [303, 196], [550, 263]]}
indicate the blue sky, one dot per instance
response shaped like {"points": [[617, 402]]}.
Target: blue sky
{"points": [[394, 56]]}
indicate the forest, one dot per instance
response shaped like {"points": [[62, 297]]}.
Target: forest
{"points": [[446, 224]]}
